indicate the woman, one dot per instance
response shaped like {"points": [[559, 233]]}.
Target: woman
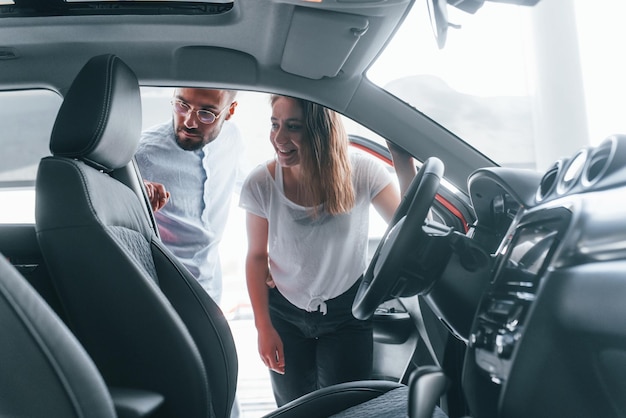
{"points": [[307, 222]]}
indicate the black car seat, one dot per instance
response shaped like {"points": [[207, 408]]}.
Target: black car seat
{"points": [[44, 371], [43, 368], [142, 317]]}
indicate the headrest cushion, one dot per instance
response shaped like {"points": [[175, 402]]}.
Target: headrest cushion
{"points": [[100, 118]]}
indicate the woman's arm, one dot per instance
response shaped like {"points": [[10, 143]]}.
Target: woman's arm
{"points": [[387, 201], [257, 274], [404, 165]]}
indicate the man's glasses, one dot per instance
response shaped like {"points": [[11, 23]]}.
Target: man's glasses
{"points": [[204, 116]]}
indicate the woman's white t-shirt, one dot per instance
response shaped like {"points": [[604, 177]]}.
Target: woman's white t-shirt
{"points": [[314, 259]]}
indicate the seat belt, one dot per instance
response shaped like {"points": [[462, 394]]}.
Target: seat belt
{"points": [[412, 305]]}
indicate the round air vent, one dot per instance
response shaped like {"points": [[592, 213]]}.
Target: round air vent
{"points": [[546, 186], [572, 172], [599, 160]]}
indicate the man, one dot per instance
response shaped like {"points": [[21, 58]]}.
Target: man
{"points": [[193, 161]]}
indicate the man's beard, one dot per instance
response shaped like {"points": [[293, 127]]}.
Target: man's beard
{"points": [[187, 144]]}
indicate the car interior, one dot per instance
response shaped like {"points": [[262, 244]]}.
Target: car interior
{"points": [[495, 291], [109, 254]]}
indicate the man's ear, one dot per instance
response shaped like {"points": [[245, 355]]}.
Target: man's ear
{"points": [[231, 110]]}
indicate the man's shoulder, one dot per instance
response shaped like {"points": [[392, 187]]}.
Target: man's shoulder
{"points": [[230, 132], [157, 132], [155, 136]]}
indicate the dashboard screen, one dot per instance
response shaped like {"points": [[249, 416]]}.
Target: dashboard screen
{"points": [[531, 247]]}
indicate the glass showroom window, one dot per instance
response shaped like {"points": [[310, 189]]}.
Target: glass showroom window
{"points": [[23, 144]]}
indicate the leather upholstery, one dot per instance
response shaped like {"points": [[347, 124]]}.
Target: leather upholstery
{"points": [[45, 371], [100, 118], [139, 313], [334, 399]]}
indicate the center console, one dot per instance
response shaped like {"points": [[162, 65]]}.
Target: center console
{"points": [[522, 259]]}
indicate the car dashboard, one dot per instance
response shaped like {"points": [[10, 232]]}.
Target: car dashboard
{"points": [[548, 336]]}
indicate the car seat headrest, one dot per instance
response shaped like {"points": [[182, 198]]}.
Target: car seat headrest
{"points": [[99, 121]]}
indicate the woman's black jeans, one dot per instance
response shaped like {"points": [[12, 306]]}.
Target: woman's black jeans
{"points": [[320, 350]]}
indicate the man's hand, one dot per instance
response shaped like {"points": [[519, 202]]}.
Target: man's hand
{"points": [[157, 194]]}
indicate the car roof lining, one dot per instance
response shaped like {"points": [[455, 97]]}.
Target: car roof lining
{"points": [[240, 49], [39, 8], [256, 32]]}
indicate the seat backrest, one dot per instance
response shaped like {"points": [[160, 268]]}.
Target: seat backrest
{"points": [[43, 369], [138, 312]]}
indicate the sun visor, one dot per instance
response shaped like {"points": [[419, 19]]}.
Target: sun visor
{"points": [[320, 42]]}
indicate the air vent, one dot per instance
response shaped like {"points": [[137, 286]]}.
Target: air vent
{"points": [[598, 163], [572, 173], [546, 186]]}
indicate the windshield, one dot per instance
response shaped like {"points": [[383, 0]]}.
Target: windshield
{"points": [[523, 85]]}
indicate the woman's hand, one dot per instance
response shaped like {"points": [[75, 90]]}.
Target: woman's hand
{"points": [[157, 194], [271, 349]]}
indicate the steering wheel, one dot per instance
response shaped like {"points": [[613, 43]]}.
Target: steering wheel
{"points": [[384, 276]]}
